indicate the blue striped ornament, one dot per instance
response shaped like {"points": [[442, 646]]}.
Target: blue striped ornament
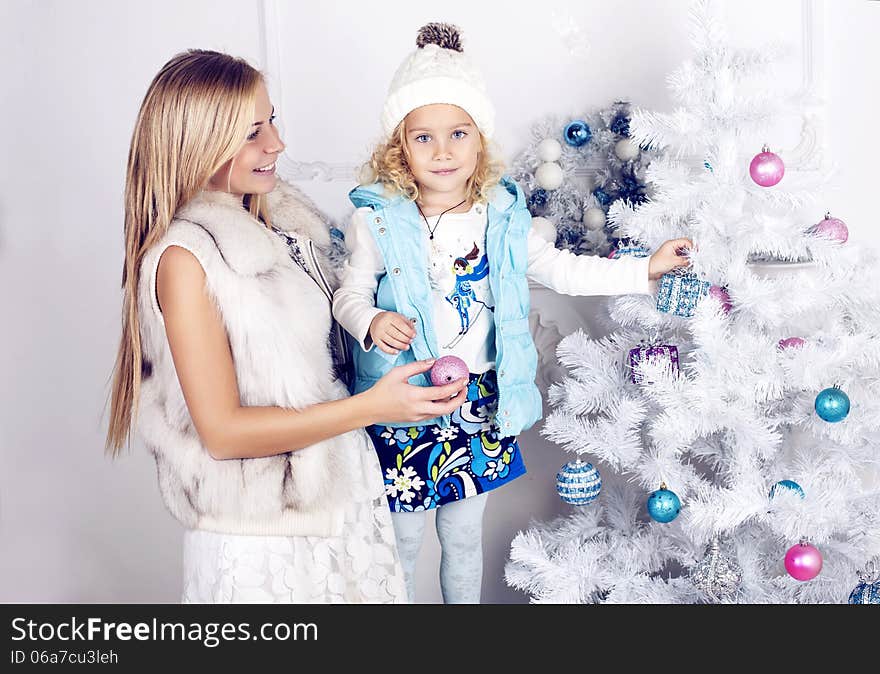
{"points": [[578, 483], [868, 589], [865, 593], [678, 293]]}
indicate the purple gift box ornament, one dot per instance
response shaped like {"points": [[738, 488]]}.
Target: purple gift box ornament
{"points": [[653, 353]]}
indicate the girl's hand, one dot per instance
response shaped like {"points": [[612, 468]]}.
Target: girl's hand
{"points": [[391, 332], [671, 255], [394, 399]]}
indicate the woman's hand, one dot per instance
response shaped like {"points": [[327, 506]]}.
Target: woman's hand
{"points": [[394, 399], [671, 255], [391, 332]]}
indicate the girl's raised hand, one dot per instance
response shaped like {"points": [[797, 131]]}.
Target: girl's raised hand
{"points": [[670, 255]]}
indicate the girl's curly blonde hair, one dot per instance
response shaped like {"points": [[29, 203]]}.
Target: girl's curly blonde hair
{"points": [[388, 165]]}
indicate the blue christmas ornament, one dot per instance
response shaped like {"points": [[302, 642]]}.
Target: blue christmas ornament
{"points": [[868, 589], [337, 233], [865, 593], [787, 484], [602, 196], [663, 505], [678, 293], [577, 133], [832, 405], [537, 199], [620, 125], [578, 483]]}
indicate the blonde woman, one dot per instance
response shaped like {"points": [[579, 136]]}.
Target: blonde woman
{"points": [[225, 365]]}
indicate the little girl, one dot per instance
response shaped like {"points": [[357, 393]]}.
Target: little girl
{"points": [[441, 251]]}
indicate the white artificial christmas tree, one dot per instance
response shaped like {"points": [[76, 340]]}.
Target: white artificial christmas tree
{"points": [[737, 414]]}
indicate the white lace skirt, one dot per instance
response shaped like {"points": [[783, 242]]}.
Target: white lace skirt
{"points": [[360, 566]]}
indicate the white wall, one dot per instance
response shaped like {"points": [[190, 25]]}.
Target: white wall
{"points": [[852, 64], [75, 526]]}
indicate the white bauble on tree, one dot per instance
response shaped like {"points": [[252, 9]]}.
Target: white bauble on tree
{"points": [[544, 228], [594, 219], [626, 150], [549, 176], [549, 149]]}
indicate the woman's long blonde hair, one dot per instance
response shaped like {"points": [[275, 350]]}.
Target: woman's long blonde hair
{"points": [[388, 164], [196, 115]]}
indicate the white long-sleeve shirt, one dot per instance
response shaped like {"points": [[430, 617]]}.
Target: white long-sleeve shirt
{"points": [[467, 306]]}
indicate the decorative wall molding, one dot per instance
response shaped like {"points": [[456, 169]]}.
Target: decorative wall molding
{"points": [[811, 153], [318, 170]]}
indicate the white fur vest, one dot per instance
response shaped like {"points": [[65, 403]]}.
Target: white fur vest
{"points": [[278, 321]]}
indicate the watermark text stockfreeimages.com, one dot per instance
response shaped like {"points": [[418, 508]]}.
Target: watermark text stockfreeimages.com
{"points": [[210, 634]]}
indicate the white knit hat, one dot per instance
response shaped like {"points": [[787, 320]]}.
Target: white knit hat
{"points": [[438, 72]]}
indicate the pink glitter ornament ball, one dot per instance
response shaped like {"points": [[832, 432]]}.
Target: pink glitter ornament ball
{"points": [[832, 228], [791, 343], [766, 168], [448, 369], [722, 296], [803, 561]]}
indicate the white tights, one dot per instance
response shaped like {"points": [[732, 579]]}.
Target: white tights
{"points": [[460, 530]]}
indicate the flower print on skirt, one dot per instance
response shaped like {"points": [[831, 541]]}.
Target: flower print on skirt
{"points": [[428, 466]]}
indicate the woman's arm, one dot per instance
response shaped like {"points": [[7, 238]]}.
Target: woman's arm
{"points": [[204, 365]]}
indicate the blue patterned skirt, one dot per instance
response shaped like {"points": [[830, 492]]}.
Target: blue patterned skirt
{"points": [[428, 466]]}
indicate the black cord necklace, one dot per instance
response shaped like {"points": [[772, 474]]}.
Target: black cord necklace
{"points": [[437, 224]]}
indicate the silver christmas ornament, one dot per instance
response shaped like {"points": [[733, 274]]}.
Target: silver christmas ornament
{"points": [[718, 575]]}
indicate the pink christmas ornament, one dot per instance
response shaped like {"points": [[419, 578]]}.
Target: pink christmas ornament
{"points": [[448, 369], [766, 168], [803, 561], [722, 296], [791, 343], [832, 228]]}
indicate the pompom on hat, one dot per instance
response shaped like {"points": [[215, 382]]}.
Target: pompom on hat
{"points": [[438, 71]]}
